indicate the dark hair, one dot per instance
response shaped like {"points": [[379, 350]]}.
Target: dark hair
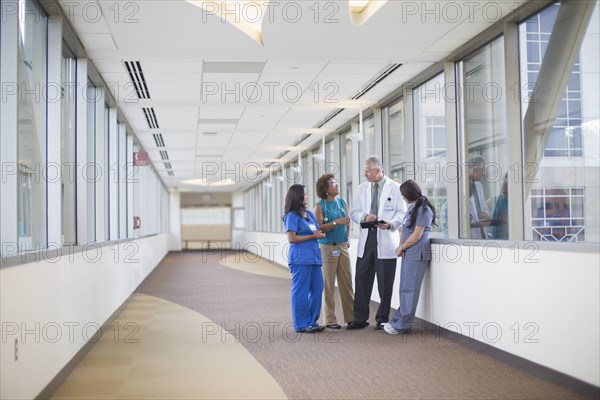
{"points": [[294, 200], [412, 192], [323, 184]]}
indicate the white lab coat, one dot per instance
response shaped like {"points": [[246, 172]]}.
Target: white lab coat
{"points": [[391, 210]]}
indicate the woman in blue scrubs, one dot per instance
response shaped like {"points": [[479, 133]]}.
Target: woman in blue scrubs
{"points": [[304, 260], [415, 251]]}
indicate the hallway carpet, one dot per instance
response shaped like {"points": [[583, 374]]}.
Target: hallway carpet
{"points": [[239, 296]]}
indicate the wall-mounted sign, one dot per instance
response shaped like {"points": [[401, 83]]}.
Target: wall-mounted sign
{"points": [[140, 158]]}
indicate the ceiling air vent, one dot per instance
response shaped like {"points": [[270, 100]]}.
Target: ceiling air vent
{"points": [[150, 117], [169, 168], [164, 155], [134, 68], [375, 80], [158, 139], [329, 117], [362, 91], [302, 139]]}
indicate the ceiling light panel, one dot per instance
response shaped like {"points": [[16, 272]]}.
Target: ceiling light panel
{"points": [[212, 142]]}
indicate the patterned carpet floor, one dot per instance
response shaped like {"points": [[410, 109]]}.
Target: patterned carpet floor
{"points": [[219, 326]]}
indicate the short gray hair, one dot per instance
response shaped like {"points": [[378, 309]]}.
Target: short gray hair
{"points": [[476, 161], [374, 161]]}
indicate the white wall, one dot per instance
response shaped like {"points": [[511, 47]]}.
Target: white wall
{"points": [[51, 307], [542, 305]]}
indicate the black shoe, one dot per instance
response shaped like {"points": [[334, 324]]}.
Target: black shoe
{"points": [[334, 326], [356, 325], [379, 326]]}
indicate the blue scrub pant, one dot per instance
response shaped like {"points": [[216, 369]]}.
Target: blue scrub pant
{"points": [[411, 277], [307, 289]]}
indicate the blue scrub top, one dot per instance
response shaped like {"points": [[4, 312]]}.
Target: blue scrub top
{"points": [[305, 253], [422, 249]]}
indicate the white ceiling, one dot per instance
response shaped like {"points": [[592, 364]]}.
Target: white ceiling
{"points": [[255, 100]]}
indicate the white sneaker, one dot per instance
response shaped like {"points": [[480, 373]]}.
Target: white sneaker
{"points": [[388, 328]]}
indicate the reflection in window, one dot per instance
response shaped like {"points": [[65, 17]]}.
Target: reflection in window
{"points": [[565, 138], [31, 137], [562, 195], [557, 214], [430, 149], [484, 148]]}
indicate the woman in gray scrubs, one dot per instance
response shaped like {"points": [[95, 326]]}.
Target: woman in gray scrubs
{"points": [[415, 251]]}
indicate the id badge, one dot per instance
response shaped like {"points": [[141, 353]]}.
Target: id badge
{"points": [[312, 227], [335, 253]]}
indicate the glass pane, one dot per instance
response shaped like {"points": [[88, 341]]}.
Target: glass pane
{"points": [[430, 147], [31, 137], [396, 141], [367, 146], [562, 192], [91, 170], [330, 162], [68, 131], [348, 170], [483, 187]]}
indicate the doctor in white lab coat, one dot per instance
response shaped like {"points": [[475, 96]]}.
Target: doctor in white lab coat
{"points": [[378, 199]]}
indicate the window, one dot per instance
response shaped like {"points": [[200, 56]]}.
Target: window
{"points": [[483, 143], [68, 159], [105, 170], [430, 151], [395, 116], [31, 136], [561, 175], [557, 214], [90, 170], [366, 148], [331, 165], [565, 137], [347, 166]]}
